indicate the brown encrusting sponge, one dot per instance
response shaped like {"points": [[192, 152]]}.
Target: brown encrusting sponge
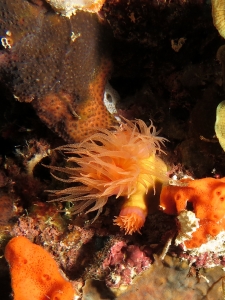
{"points": [[74, 121], [61, 65]]}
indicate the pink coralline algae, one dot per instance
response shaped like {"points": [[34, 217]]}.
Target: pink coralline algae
{"points": [[125, 262], [204, 260]]}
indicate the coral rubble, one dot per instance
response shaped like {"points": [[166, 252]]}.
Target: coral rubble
{"points": [[124, 262]]}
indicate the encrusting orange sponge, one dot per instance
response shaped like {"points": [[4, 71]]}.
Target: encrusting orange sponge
{"points": [[34, 273], [120, 162], [207, 198]]}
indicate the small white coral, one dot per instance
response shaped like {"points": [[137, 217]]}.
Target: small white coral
{"points": [[69, 7], [188, 224], [110, 99]]}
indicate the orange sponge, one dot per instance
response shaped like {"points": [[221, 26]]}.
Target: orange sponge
{"points": [[34, 273], [207, 199], [207, 196]]}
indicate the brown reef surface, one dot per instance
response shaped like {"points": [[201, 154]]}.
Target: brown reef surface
{"points": [[58, 64]]}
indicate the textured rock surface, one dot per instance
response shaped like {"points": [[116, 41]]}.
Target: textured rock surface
{"points": [[61, 65]]}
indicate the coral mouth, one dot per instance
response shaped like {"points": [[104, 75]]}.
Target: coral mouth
{"points": [[131, 219]]}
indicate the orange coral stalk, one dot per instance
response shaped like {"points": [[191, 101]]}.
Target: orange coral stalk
{"points": [[34, 273], [134, 211], [121, 162]]}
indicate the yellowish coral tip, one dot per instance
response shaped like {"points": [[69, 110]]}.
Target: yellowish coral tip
{"points": [[131, 219], [218, 14], [220, 124]]}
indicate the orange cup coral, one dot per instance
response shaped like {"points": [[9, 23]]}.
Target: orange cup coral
{"points": [[34, 273], [121, 162], [207, 197]]}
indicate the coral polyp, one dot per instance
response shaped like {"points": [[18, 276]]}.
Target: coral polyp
{"points": [[120, 162], [131, 218]]}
